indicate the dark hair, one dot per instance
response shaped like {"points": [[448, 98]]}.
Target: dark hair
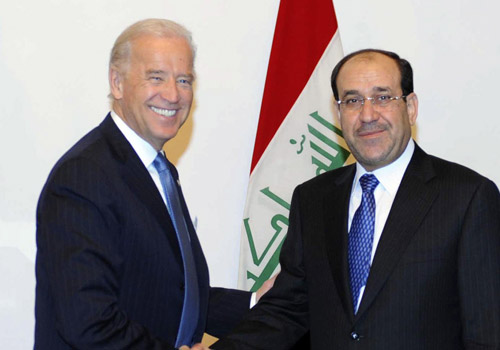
{"points": [[403, 65]]}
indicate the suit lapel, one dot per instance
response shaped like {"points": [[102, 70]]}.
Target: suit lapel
{"points": [[138, 179], [336, 209], [412, 203]]}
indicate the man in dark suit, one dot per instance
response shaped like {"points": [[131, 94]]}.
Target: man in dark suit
{"points": [[398, 251], [114, 269]]}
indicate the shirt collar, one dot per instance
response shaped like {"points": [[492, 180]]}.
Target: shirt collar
{"points": [[144, 150], [390, 176]]}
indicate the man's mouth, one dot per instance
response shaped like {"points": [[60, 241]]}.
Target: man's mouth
{"points": [[370, 133], [164, 112], [370, 130]]}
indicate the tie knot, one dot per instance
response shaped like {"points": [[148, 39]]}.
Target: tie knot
{"points": [[368, 183], [160, 162]]}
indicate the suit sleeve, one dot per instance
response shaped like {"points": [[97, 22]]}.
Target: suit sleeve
{"points": [[280, 318], [79, 260], [225, 309], [479, 269]]}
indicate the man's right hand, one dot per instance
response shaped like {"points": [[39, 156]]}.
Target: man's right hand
{"points": [[266, 286], [198, 346]]}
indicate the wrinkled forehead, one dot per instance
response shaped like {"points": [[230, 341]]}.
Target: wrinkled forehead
{"points": [[143, 41], [144, 44], [369, 72], [151, 50], [371, 57]]}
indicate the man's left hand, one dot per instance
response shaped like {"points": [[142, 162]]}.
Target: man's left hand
{"points": [[266, 286], [198, 346]]}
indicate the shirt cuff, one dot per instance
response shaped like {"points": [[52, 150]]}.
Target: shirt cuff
{"points": [[253, 300]]}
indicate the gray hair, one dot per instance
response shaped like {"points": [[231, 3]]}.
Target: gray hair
{"points": [[120, 53]]}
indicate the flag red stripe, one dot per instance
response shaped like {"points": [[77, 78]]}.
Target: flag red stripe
{"points": [[303, 30]]}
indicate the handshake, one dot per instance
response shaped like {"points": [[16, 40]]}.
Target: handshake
{"points": [[198, 346], [266, 286]]}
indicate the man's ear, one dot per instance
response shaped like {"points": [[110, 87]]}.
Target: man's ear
{"points": [[115, 83], [412, 108]]}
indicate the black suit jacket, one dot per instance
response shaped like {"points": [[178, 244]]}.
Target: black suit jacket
{"points": [[435, 278], [109, 268]]}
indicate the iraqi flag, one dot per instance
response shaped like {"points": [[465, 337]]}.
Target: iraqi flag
{"points": [[297, 138]]}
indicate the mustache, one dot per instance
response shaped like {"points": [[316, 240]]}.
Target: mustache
{"points": [[372, 127]]}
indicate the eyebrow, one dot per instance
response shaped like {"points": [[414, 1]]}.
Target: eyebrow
{"points": [[189, 76], [350, 92], [155, 71], [382, 89], [162, 72], [375, 89]]}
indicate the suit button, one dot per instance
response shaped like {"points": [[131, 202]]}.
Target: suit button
{"points": [[355, 336]]}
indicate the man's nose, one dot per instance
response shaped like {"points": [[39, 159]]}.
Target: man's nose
{"points": [[368, 113], [170, 91]]}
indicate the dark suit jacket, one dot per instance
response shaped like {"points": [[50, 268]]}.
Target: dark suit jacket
{"points": [[435, 278], [109, 269]]}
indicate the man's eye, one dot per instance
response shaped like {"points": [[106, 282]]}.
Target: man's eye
{"points": [[184, 81], [352, 101], [156, 79], [383, 98]]}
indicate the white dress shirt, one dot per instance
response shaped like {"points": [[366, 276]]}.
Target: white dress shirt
{"points": [[389, 178], [144, 150]]}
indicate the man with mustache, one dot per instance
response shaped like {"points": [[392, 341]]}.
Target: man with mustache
{"points": [[398, 251]]}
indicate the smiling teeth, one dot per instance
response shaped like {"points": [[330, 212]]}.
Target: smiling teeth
{"points": [[164, 112]]}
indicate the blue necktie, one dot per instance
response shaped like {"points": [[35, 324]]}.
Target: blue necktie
{"points": [[361, 238], [190, 310]]}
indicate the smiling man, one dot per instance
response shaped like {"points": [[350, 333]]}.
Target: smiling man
{"points": [[398, 251], [119, 265], [153, 91]]}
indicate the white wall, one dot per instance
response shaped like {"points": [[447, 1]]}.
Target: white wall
{"points": [[53, 87]]}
